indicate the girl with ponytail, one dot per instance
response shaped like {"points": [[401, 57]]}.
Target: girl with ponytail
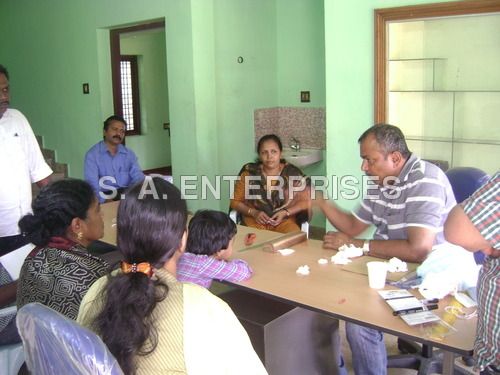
{"points": [[152, 323]]}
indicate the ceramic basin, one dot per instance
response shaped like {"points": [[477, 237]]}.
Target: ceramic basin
{"points": [[303, 157]]}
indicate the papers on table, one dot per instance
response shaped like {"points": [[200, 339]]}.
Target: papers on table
{"points": [[412, 310]]}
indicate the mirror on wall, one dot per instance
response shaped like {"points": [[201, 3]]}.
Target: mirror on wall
{"points": [[437, 78]]}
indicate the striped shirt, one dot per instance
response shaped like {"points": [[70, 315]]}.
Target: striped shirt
{"points": [[202, 269], [420, 197], [483, 209]]}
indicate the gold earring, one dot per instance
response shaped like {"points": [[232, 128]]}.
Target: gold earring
{"points": [[79, 236]]}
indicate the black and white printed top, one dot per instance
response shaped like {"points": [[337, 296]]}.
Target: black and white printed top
{"points": [[58, 275]]}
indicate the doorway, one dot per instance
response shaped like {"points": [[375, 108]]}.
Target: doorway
{"points": [[140, 92]]}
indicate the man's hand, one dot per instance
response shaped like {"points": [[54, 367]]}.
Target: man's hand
{"points": [[334, 240], [492, 252]]}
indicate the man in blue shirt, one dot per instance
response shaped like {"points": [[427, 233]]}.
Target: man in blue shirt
{"points": [[110, 167]]}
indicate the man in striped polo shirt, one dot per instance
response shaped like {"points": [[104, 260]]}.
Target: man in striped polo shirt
{"points": [[408, 206]]}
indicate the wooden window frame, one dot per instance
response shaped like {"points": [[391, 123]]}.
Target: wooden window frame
{"points": [[414, 12], [136, 108]]}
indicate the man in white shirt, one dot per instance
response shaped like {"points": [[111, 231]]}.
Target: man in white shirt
{"points": [[21, 164]]}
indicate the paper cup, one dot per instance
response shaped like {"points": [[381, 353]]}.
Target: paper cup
{"points": [[377, 272]]}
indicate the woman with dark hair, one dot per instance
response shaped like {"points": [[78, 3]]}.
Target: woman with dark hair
{"points": [[271, 193], [152, 323], [58, 272]]}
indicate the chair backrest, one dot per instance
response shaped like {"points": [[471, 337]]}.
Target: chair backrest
{"points": [[464, 182], [55, 344]]}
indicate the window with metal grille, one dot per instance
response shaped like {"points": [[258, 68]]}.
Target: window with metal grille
{"points": [[129, 79]]}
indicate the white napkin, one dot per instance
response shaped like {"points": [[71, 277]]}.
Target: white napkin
{"points": [[397, 265], [340, 258], [303, 270], [351, 251], [286, 251]]}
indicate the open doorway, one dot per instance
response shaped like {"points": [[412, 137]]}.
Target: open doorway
{"points": [[140, 92]]}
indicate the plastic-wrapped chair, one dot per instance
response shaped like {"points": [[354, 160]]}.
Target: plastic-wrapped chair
{"points": [[11, 356], [55, 344]]}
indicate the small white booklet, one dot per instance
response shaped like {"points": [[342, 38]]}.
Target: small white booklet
{"points": [[420, 318]]}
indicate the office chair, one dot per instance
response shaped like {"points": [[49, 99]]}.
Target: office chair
{"points": [[55, 344], [11, 356], [464, 182]]}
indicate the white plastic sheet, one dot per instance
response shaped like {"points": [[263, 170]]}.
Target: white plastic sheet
{"points": [[54, 344]]}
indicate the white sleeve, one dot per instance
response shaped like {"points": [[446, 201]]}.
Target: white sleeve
{"points": [[39, 169]]}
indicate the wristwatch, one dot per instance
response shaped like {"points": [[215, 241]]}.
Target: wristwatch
{"points": [[366, 247]]}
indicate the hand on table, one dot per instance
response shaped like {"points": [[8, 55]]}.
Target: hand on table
{"points": [[334, 240]]}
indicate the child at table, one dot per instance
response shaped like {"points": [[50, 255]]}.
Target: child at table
{"points": [[209, 246]]}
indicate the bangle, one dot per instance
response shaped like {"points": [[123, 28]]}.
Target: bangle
{"points": [[287, 212], [249, 213]]}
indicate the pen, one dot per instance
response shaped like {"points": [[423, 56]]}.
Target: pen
{"points": [[429, 301], [415, 310]]}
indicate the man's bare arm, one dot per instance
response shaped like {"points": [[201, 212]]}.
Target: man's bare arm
{"points": [[414, 249], [458, 229], [8, 293], [44, 181], [344, 221]]}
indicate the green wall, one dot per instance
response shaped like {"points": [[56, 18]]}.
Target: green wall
{"points": [[349, 58], [65, 44], [300, 52], [51, 47]]}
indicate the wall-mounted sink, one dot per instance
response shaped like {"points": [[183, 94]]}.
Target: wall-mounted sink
{"points": [[303, 157]]}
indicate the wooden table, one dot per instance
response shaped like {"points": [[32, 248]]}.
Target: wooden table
{"points": [[328, 289], [346, 295], [109, 211]]}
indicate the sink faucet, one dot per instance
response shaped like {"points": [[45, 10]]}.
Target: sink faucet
{"points": [[295, 144]]}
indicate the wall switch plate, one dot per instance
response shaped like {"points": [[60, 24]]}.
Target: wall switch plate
{"points": [[86, 88], [305, 96]]}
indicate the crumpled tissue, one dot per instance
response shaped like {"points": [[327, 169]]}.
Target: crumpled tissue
{"points": [[340, 258], [396, 265], [345, 252], [351, 251], [303, 270]]}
